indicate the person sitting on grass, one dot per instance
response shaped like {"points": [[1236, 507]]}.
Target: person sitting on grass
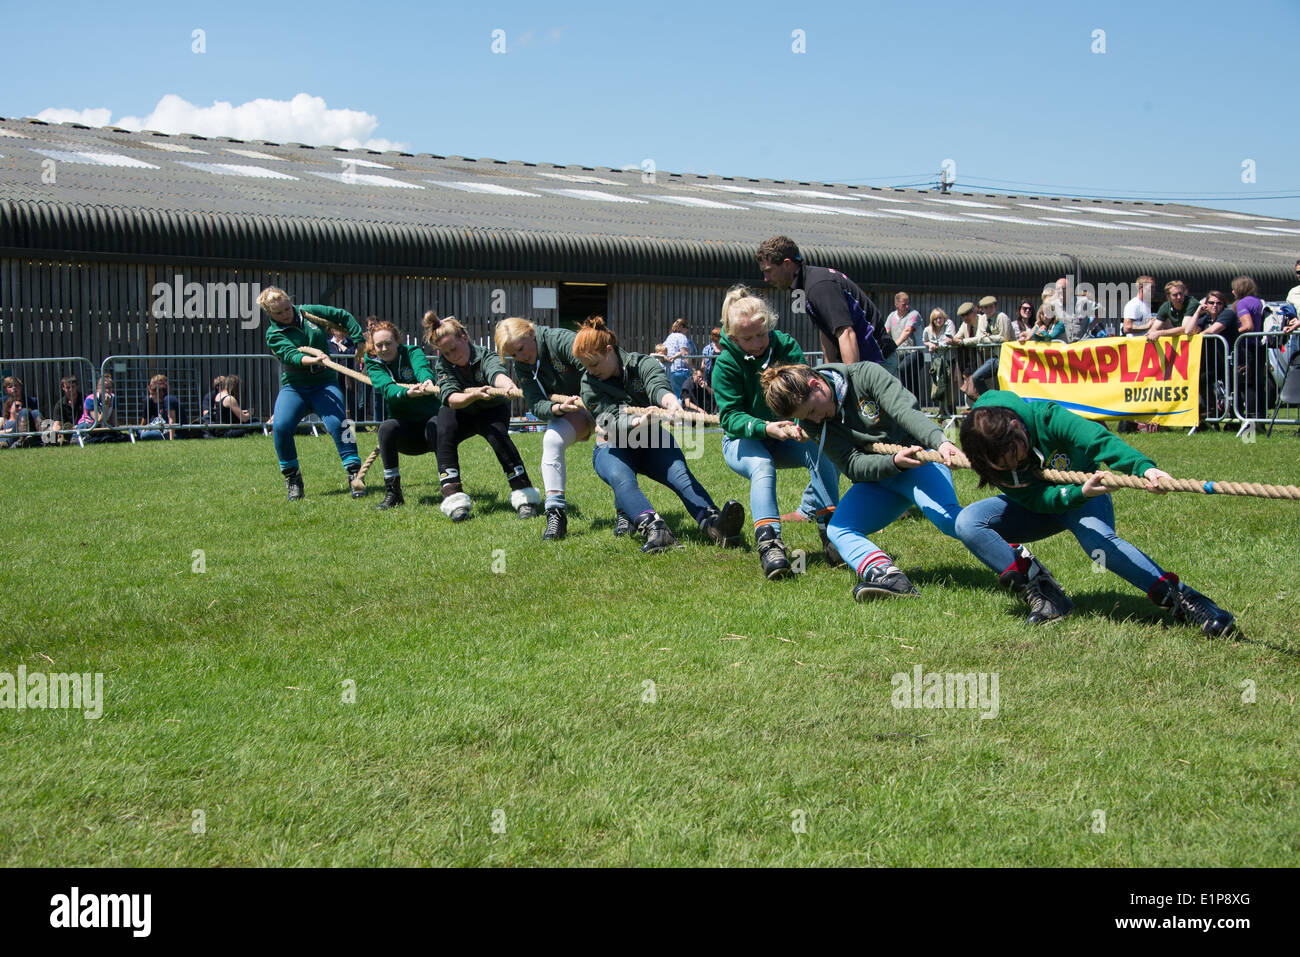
{"points": [[466, 373], [755, 443], [161, 410], [403, 378], [226, 409], [306, 385], [626, 447], [543, 365], [69, 407], [848, 409], [99, 413], [1007, 441]]}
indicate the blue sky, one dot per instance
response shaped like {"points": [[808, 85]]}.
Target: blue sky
{"points": [[885, 92]]}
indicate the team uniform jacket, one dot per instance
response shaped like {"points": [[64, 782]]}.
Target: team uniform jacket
{"points": [[1059, 439], [872, 406], [555, 369], [285, 340], [482, 369], [835, 302], [410, 366], [742, 410], [641, 381]]}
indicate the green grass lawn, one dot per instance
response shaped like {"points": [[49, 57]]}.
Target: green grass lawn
{"points": [[521, 699]]}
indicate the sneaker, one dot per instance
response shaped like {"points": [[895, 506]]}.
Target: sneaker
{"points": [[831, 553], [293, 482], [658, 538], [358, 489], [392, 493], [883, 581], [1046, 598], [771, 553], [622, 524], [1191, 607], [723, 527], [557, 524]]}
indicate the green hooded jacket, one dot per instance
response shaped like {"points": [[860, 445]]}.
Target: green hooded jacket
{"points": [[871, 406], [482, 369], [641, 382], [556, 370], [742, 410], [1062, 440], [285, 340], [410, 366]]}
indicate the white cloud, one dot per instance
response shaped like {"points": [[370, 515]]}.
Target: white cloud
{"points": [[91, 117], [304, 119]]}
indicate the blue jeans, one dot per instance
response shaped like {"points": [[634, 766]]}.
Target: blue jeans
{"points": [[758, 460], [619, 467], [869, 506], [987, 372], [292, 404], [989, 524], [679, 378]]}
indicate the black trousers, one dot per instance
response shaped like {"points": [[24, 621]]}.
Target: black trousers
{"points": [[493, 423], [406, 436]]}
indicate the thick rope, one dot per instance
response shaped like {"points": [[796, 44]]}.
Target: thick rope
{"points": [[697, 418], [1114, 481]]}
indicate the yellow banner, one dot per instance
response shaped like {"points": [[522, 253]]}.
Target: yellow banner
{"points": [[1121, 378]]}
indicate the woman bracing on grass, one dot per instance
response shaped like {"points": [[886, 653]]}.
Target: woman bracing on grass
{"points": [[1007, 441], [465, 374], [544, 366], [305, 384], [628, 448], [847, 408], [756, 443], [402, 376]]}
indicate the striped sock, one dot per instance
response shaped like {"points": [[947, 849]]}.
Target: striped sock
{"points": [[875, 558]]}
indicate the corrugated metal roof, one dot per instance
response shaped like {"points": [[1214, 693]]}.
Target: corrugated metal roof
{"points": [[141, 194]]}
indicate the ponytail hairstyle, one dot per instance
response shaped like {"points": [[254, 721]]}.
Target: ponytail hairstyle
{"points": [[988, 432], [742, 303], [787, 387], [593, 339], [508, 330], [435, 327]]}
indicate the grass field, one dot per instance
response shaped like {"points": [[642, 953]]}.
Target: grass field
{"points": [[507, 718]]}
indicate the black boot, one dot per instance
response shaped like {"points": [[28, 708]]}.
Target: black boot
{"points": [[723, 527], [392, 493], [883, 581], [829, 551], [658, 538], [771, 553], [293, 482], [557, 524], [622, 524], [1046, 598], [1191, 607], [358, 488]]}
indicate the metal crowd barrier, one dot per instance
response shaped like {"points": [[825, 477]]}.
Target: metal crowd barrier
{"points": [[41, 379], [936, 378], [1257, 386]]}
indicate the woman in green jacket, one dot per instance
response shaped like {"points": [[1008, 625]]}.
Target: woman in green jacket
{"points": [[1008, 440], [402, 375], [305, 384], [756, 443], [466, 373], [627, 447], [544, 366]]}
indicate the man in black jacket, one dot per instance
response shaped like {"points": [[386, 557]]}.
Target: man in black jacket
{"points": [[850, 325]]}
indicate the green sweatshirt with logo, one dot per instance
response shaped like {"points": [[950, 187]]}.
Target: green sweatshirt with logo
{"points": [[875, 408], [410, 366], [1059, 439], [640, 381], [742, 410], [482, 369], [556, 369], [285, 340]]}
